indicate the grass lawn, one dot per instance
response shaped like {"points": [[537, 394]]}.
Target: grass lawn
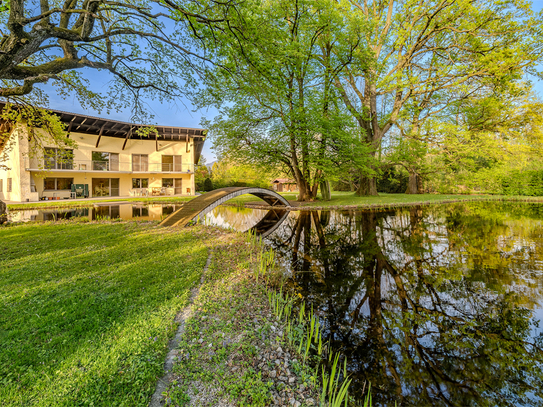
{"points": [[87, 309], [350, 199]]}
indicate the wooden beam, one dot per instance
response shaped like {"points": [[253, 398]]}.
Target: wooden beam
{"points": [[70, 127], [127, 136], [100, 135]]}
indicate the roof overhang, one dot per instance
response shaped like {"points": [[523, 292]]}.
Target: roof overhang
{"points": [[81, 123]]}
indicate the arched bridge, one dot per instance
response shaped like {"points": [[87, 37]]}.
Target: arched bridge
{"points": [[205, 203]]}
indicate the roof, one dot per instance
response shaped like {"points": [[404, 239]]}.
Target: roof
{"points": [[283, 181], [114, 128]]}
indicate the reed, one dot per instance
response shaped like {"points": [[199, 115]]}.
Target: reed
{"points": [[303, 332]]}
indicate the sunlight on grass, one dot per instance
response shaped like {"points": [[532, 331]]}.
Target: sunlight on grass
{"points": [[87, 310]]}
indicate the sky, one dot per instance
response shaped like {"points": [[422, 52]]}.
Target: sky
{"points": [[180, 113]]}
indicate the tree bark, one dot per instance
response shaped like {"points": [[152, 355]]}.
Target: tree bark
{"points": [[368, 186], [325, 191], [3, 212], [414, 185]]}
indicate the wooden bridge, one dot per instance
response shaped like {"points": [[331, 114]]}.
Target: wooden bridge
{"points": [[199, 206]]}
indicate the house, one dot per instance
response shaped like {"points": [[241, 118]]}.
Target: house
{"points": [[111, 159], [284, 185]]}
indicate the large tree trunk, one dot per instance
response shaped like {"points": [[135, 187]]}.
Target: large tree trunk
{"points": [[414, 185], [368, 186], [325, 191], [3, 212]]}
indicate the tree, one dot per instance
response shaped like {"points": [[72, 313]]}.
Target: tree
{"points": [[208, 185], [434, 52], [277, 102], [142, 44], [139, 43], [201, 173]]}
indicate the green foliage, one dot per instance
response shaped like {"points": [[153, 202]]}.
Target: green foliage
{"points": [[392, 181], [231, 174], [208, 185], [278, 108], [41, 126]]}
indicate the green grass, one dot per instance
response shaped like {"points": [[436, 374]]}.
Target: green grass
{"points": [[65, 203], [338, 199], [350, 199], [86, 310]]}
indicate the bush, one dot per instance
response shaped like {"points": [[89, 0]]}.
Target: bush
{"points": [[208, 185], [392, 181]]}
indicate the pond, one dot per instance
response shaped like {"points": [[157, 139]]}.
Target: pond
{"points": [[434, 306], [98, 211]]}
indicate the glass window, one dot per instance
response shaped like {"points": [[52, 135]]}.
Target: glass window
{"points": [[9, 184], [58, 159], [100, 161], [50, 158], [64, 183], [140, 182], [140, 162], [58, 183], [167, 182], [49, 183], [1, 185], [105, 186], [167, 163]]}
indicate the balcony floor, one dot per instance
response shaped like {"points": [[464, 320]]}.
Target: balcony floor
{"points": [[118, 199]]}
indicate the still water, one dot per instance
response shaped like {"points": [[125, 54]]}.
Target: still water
{"points": [[101, 211], [435, 306]]}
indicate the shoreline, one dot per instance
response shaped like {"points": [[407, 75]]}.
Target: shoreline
{"points": [[297, 206], [384, 206]]}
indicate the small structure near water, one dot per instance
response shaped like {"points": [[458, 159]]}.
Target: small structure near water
{"points": [[284, 185]]}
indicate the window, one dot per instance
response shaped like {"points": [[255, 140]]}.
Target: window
{"points": [[105, 161], [171, 163], [58, 159], [57, 184], [167, 182], [140, 162], [9, 184], [140, 182], [1, 185]]}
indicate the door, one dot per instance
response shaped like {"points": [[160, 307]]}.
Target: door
{"points": [[177, 164], [114, 190], [178, 186], [113, 162], [100, 187]]}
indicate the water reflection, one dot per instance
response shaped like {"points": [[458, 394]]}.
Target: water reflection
{"points": [[261, 222], [434, 306], [97, 212]]}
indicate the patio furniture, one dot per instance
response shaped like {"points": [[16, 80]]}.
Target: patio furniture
{"points": [[156, 191]]}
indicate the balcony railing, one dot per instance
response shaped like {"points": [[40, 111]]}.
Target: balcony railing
{"points": [[111, 166]]}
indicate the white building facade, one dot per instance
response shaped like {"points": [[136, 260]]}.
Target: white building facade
{"points": [[111, 160]]}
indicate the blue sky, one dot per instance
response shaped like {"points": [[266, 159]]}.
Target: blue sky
{"points": [[180, 113]]}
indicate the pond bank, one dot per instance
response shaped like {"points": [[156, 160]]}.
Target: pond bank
{"points": [[386, 204], [234, 349], [340, 200]]}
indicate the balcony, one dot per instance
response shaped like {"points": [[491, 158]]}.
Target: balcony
{"points": [[111, 166]]}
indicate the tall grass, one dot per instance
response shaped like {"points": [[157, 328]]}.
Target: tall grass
{"points": [[303, 332]]}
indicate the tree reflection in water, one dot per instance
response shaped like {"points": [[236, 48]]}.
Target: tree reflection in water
{"points": [[433, 306]]}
